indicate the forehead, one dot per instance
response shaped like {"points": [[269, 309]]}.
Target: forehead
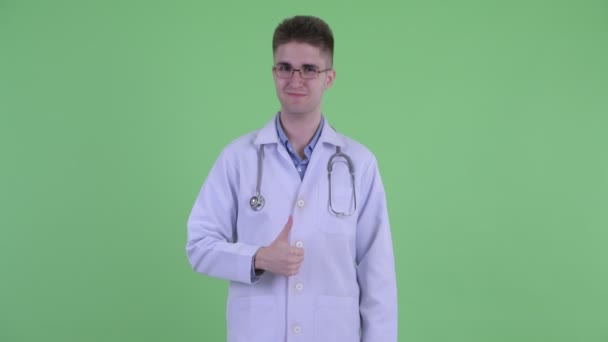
{"points": [[297, 54]]}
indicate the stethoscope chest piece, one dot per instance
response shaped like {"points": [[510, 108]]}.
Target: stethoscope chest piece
{"points": [[257, 202]]}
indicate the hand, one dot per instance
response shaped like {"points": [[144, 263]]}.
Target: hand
{"points": [[280, 258]]}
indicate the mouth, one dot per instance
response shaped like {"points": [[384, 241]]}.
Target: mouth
{"points": [[298, 95]]}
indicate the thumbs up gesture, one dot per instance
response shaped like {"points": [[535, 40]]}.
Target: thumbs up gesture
{"points": [[280, 257]]}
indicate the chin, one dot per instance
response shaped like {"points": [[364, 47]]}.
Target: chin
{"points": [[296, 110]]}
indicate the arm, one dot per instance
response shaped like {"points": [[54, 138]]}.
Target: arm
{"points": [[212, 246], [375, 262]]}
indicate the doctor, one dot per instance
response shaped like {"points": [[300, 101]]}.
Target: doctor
{"points": [[307, 251]]}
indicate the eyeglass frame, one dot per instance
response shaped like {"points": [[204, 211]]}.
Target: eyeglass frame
{"points": [[293, 70]]}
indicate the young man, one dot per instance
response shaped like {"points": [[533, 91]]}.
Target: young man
{"points": [[294, 215]]}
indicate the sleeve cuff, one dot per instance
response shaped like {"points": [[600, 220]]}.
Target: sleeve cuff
{"points": [[256, 274]]}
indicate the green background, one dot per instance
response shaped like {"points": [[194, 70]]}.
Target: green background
{"points": [[488, 120]]}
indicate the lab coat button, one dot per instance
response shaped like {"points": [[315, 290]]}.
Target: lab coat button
{"points": [[299, 244], [297, 329], [300, 203], [299, 286]]}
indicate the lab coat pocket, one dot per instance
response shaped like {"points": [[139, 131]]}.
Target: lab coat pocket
{"points": [[252, 317], [337, 319]]}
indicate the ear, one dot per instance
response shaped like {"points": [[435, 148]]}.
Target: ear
{"points": [[329, 79]]}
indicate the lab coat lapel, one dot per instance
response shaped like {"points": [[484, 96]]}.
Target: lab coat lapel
{"points": [[330, 136], [268, 135], [325, 147]]}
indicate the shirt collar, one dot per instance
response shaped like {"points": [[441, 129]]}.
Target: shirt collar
{"points": [[285, 140], [268, 134]]}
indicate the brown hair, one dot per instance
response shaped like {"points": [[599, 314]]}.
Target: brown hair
{"points": [[305, 29]]}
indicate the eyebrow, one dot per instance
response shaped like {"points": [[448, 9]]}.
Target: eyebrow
{"points": [[303, 65]]}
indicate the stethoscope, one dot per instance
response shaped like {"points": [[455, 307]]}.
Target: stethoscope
{"points": [[257, 201]]}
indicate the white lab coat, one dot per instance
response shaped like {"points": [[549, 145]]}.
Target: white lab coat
{"points": [[346, 288]]}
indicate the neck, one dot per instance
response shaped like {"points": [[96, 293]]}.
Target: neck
{"points": [[300, 129]]}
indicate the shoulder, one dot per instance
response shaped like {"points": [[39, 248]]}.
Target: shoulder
{"points": [[234, 151], [357, 151], [243, 142]]}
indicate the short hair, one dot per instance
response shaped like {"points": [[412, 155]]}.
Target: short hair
{"points": [[305, 29]]}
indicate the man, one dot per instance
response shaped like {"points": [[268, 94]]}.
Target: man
{"points": [[294, 215]]}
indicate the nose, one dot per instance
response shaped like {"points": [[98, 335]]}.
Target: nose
{"points": [[296, 76], [298, 72]]}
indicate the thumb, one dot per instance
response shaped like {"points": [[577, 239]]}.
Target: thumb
{"points": [[284, 234]]}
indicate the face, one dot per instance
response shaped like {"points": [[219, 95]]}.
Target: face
{"points": [[298, 96]]}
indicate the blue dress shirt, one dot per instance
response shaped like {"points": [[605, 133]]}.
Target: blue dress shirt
{"points": [[300, 164]]}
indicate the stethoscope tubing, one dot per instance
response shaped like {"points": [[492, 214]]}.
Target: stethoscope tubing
{"points": [[257, 201]]}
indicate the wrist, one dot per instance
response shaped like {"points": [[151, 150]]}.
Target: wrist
{"points": [[258, 259]]}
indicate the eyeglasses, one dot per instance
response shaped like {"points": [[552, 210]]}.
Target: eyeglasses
{"points": [[306, 72]]}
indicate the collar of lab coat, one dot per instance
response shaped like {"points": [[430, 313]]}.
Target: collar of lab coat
{"points": [[268, 134]]}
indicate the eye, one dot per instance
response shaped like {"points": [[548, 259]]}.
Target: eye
{"points": [[309, 69], [284, 67]]}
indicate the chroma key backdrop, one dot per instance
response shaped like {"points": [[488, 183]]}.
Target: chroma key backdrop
{"points": [[489, 121]]}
